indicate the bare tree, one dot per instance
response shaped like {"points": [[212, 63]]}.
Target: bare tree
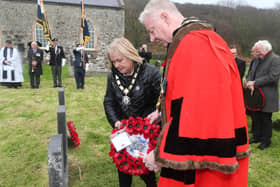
{"points": [[227, 3], [232, 3]]}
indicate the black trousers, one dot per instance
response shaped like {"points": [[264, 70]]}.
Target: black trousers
{"points": [[34, 79], [251, 114], [125, 180], [79, 74], [262, 126], [56, 73]]}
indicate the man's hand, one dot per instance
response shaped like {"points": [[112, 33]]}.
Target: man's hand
{"points": [[7, 62], [154, 117], [250, 85], [80, 48], [149, 161]]}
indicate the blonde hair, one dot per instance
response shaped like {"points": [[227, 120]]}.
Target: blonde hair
{"points": [[155, 7], [125, 47]]}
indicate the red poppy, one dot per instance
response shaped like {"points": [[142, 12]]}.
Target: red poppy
{"points": [[130, 128], [118, 158], [138, 126], [123, 123]]}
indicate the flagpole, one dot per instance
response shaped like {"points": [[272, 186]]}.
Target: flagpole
{"points": [[81, 34]]}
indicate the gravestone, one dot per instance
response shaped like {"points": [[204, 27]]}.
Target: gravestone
{"points": [[56, 162], [58, 147], [61, 98], [61, 128]]}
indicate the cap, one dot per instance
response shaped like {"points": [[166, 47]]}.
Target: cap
{"points": [[9, 41], [256, 101], [55, 39]]}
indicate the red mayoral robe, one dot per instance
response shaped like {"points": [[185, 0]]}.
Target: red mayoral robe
{"points": [[205, 140]]}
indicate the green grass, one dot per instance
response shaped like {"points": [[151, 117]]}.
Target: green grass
{"points": [[28, 120]]}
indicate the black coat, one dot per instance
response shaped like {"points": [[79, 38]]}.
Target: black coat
{"points": [[56, 58], [38, 56], [241, 67], [78, 59], [146, 55], [144, 94]]}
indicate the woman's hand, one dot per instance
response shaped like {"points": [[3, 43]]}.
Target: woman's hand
{"points": [[118, 124]]}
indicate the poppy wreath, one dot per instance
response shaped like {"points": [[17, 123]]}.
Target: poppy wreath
{"points": [[126, 162], [73, 133]]}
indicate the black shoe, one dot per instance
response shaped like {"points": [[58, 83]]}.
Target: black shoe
{"points": [[254, 140], [264, 145]]}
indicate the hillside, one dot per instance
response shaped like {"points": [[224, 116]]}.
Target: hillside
{"points": [[241, 25]]}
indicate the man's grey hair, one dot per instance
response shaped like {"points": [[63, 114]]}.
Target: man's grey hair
{"points": [[265, 44], [154, 7], [34, 43]]}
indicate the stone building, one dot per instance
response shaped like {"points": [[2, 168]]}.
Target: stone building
{"points": [[105, 19]]}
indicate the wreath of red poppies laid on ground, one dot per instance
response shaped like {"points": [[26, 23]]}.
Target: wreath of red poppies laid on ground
{"points": [[73, 133], [140, 128]]}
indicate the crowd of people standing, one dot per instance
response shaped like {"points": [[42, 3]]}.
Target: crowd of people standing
{"points": [[11, 66]]}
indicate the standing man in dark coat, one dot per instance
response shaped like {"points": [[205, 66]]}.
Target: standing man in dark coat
{"points": [[240, 63], [266, 72], [56, 55], [35, 58], [80, 59], [144, 53]]}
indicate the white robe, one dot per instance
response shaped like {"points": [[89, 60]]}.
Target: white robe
{"points": [[15, 65]]}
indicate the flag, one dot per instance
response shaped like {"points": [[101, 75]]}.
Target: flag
{"points": [[85, 36], [42, 20]]}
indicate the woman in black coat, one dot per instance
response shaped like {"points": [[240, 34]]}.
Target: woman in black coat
{"points": [[133, 89]]}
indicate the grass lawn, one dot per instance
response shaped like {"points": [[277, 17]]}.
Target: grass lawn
{"points": [[28, 120]]}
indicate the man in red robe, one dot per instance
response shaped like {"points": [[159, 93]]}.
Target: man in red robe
{"points": [[204, 139]]}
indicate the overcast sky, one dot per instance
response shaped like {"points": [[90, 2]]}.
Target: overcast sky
{"points": [[255, 3]]}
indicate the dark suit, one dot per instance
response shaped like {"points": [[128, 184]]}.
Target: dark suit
{"points": [[79, 68], [56, 56], [251, 76], [265, 72], [35, 71], [241, 67], [146, 55]]}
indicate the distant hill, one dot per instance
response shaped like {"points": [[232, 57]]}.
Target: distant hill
{"points": [[241, 25]]}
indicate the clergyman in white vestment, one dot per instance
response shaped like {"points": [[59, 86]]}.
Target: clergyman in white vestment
{"points": [[11, 72]]}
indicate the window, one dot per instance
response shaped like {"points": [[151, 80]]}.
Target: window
{"points": [[39, 35], [91, 44]]}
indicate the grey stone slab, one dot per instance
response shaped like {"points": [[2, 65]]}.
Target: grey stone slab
{"points": [[56, 162], [61, 97]]}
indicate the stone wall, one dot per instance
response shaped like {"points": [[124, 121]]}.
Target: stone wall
{"points": [[17, 20]]}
